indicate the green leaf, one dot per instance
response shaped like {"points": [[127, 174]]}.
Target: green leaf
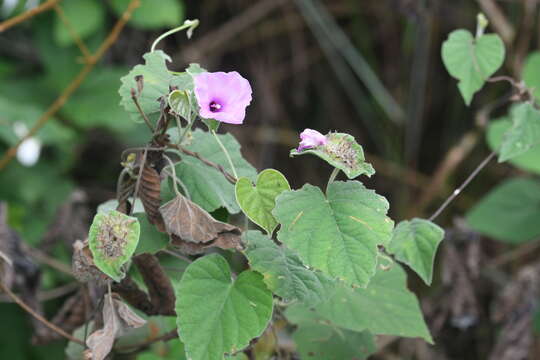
{"points": [[472, 60], [156, 82], [180, 103], [531, 72], [524, 133], [385, 307], [321, 342], [206, 185], [112, 239], [216, 314], [284, 273], [258, 201], [415, 243], [510, 212], [527, 161], [151, 14], [343, 152], [151, 240], [85, 17], [338, 233]]}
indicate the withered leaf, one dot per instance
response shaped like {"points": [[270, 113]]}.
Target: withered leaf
{"points": [[83, 265], [117, 318], [150, 194], [193, 229]]}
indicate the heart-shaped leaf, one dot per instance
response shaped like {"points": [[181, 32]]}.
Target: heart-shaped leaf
{"points": [[337, 233], [284, 273], [343, 152], [472, 60], [258, 201], [216, 314], [113, 238], [415, 243], [385, 307], [524, 133], [510, 212], [495, 134]]}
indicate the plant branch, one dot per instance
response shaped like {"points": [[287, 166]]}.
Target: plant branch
{"points": [[75, 83], [230, 178], [27, 15], [138, 106], [463, 185], [37, 316], [73, 33]]}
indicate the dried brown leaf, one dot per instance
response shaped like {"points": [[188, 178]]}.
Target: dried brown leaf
{"points": [[150, 194], [129, 319], [117, 318], [192, 227], [101, 341], [83, 266]]}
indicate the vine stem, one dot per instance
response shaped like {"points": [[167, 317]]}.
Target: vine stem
{"points": [[176, 181], [188, 24], [333, 176], [463, 185], [224, 149]]}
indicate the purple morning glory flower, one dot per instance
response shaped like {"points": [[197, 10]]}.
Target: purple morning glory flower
{"points": [[311, 138], [222, 96]]}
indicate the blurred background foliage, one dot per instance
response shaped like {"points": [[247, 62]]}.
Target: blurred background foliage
{"points": [[370, 68]]}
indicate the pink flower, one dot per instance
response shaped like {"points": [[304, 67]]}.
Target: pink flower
{"points": [[222, 96], [311, 138]]}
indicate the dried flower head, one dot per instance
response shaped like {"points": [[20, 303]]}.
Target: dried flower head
{"points": [[223, 96], [311, 138]]}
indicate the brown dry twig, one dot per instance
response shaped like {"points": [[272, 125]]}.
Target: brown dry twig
{"points": [[75, 83], [40, 318], [73, 33], [27, 15], [230, 178]]}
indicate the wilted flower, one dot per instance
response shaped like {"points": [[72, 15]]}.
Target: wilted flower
{"points": [[311, 138], [223, 96]]}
